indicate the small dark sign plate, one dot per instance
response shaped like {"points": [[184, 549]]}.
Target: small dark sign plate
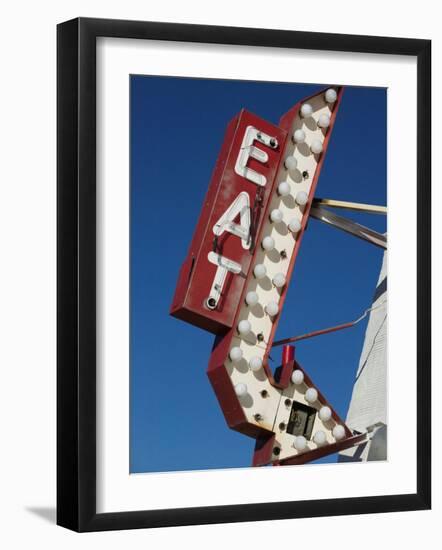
{"points": [[302, 418]]}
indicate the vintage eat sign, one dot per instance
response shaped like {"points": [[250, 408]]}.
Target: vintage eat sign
{"points": [[235, 277], [213, 276]]}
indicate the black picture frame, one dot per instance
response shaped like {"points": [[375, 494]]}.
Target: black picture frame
{"points": [[76, 273]]}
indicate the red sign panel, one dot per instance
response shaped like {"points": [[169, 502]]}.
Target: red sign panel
{"points": [[213, 274]]}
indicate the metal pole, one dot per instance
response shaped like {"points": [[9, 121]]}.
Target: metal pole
{"points": [[344, 224]]}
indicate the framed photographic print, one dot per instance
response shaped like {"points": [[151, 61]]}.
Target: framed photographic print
{"points": [[227, 202]]}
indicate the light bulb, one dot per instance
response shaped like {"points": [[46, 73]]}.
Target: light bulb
{"points": [[244, 327], [283, 189], [297, 377], [279, 280], [301, 198], [316, 147], [260, 271], [276, 215], [324, 121], [251, 298], [235, 354], [240, 390], [319, 438], [272, 309], [306, 110], [331, 95], [268, 243], [294, 225], [311, 395], [325, 413], [299, 136], [291, 164], [300, 443], [255, 363], [338, 432]]}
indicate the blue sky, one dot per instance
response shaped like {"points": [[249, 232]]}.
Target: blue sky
{"points": [[177, 127]]}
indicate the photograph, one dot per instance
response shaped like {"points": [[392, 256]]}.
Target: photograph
{"points": [[243, 223], [220, 267], [258, 274]]}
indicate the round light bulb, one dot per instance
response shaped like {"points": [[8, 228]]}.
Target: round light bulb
{"points": [[244, 327], [325, 413], [272, 309], [276, 215], [240, 390], [306, 110], [331, 95], [291, 164], [338, 432], [324, 121], [283, 189], [255, 363], [300, 443], [299, 136], [316, 147], [279, 280], [268, 243], [311, 395], [260, 271], [251, 298], [235, 354], [319, 438], [295, 225], [297, 377], [301, 198]]}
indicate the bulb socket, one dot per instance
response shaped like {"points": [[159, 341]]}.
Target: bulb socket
{"points": [[211, 303]]}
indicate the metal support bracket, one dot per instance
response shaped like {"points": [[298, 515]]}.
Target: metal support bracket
{"points": [[349, 226], [353, 206]]}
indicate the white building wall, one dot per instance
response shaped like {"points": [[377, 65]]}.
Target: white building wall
{"points": [[368, 406]]}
